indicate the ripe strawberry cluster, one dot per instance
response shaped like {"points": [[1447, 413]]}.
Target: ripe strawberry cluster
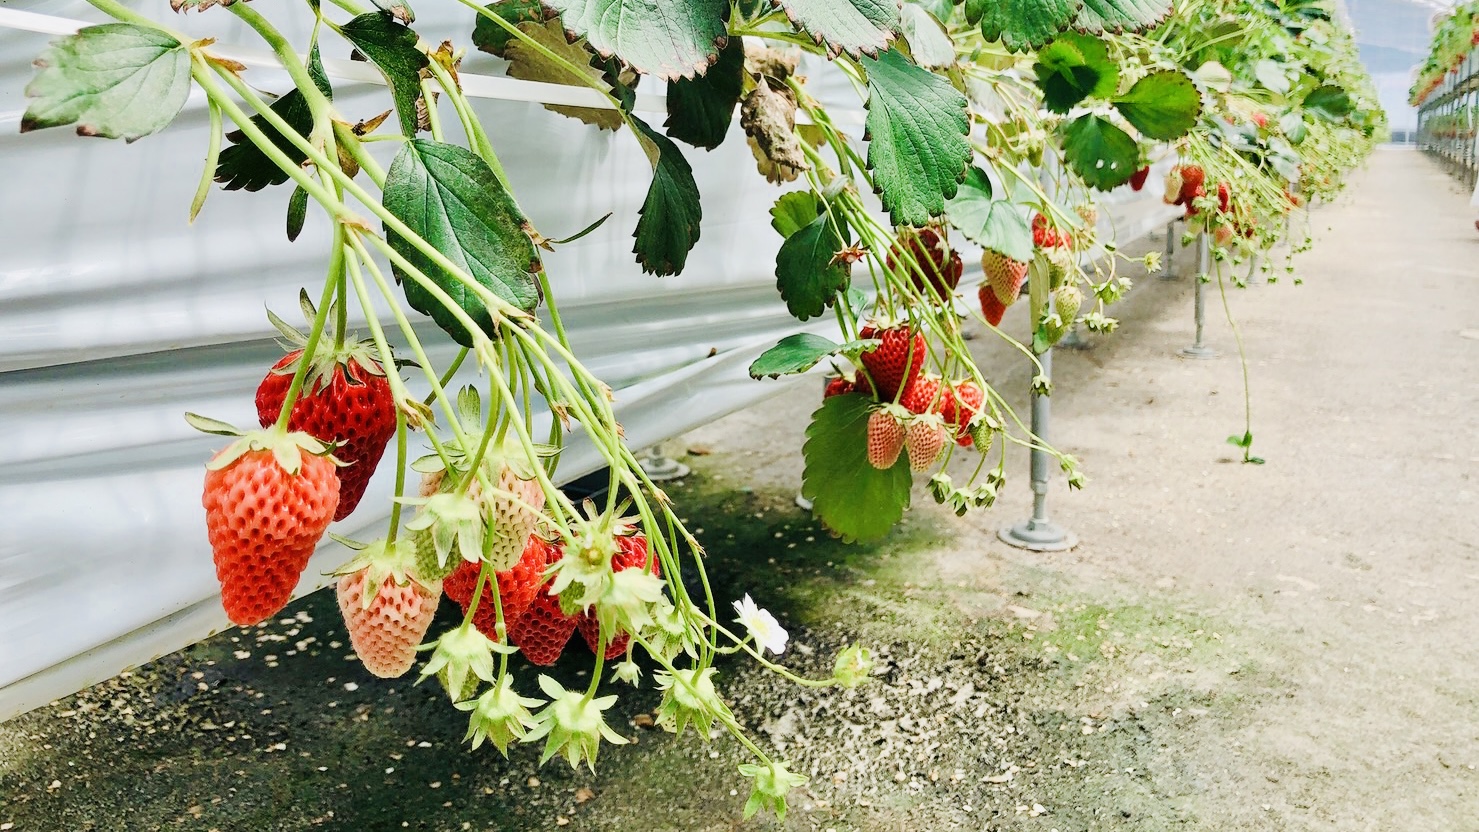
{"points": [[917, 412]]}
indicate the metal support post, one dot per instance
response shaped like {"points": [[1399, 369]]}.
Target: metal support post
{"points": [[1039, 534], [1199, 349], [1168, 273], [660, 468]]}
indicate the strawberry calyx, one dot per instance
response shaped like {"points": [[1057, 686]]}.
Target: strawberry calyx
{"points": [[382, 560], [286, 447], [356, 358]]}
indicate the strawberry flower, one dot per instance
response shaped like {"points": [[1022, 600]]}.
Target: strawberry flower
{"points": [[767, 632]]}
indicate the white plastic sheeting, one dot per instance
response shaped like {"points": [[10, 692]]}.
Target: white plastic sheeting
{"points": [[116, 317]]}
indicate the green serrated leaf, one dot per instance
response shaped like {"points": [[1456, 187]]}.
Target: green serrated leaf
{"points": [[671, 214], [492, 38], [1103, 155], [297, 213], [244, 166], [530, 64], [701, 109], [929, 43], [1023, 24], [854, 499], [391, 47], [666, 38], [1072, 68], [1329, 102], [1163, 105], [794, 211], [805, 273], [1099, 16], [851, 26], [996, 224], [916, 130], [450, 197], [793, 354], [117, 81]]}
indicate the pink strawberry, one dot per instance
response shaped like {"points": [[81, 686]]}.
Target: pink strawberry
{"points": [[1004, 275], [897, 360], [1137, 179], [516, 587], [631, 554], [925, 438], [264, 519], [1260, 119], [885, 438], [387, 630], [1196, 193], [940, 262], [992, 309], [345, 399]]}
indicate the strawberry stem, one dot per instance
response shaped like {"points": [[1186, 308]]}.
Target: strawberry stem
{"points": [[305, 361]]}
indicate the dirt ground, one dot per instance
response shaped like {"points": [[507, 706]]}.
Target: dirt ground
{"points": [[1232, 647]]}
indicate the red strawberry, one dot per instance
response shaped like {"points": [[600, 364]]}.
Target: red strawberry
{"points": [[897, 360], [1192, 179], [631, 554], [885, 438], [345, 400], [1046, 236], [837, 387], [386, 631], [924, 439], [991, 306], [1196, 193], [543, 631], [264, 520], [1224, 198], [1004, 275], [939, 261], [961, 404], [923, 396], [516, 587], [1137, 179]]}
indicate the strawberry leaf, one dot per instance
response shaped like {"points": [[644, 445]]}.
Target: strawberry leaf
{"points": [[666, 38], [794, 211], [990, 223], [297, 213], [392, 48], [1162, 105], [1329, 102], [1099, 16], [671, 215], [797, 354], [118, 81], [854, 499], [805, 271], [916, 130], [929, 43], [1023, 24], [851, 26], [450, 198], [1072, 68], [492, 38], [700, 109], [1103, 155], [244, 165], [530, 64]]}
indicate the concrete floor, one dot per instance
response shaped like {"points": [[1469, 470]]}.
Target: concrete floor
{"points": [[1288, 646]]}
